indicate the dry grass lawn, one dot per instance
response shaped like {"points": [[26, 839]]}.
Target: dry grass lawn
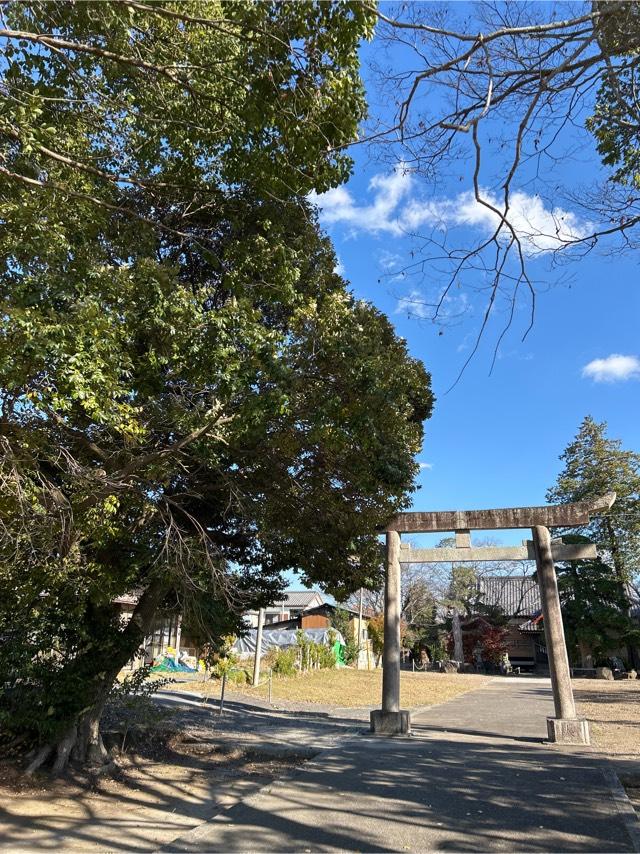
{"points": [[347, 688], [613, 708]]}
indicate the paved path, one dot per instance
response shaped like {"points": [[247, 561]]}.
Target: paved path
{"points": [[475, 777]]}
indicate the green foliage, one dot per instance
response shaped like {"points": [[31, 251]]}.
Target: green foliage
{"points": [[376, 634], [226, 661], [594, 608], [593, 466], [238, 677], [283, 661], [138, 683], [313, 655], [121, 99], [130, 703], [438, 648], [615, 122], [463, 590], [192, 402], [340, 620]]}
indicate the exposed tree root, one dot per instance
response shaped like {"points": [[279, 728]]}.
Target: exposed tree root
{"points": [[40, 758], [81, 744]]}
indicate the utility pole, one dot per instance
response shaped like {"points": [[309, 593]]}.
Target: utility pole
{"points": [[256, 663]]}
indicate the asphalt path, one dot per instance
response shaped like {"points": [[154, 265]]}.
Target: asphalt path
{"points": [[475, 776]]}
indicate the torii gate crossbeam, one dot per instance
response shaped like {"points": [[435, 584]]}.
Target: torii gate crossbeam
{"points": [[566, 727]]}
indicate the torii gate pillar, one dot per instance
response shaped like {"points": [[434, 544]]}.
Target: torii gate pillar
{"points": [[566, 727]]}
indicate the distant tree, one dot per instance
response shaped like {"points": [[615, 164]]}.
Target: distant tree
{"points": [[463, 594], [594, 610], [376, 636], [594, 465]]}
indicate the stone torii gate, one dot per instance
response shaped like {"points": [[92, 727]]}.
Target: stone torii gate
{"points": [[566, 727]]}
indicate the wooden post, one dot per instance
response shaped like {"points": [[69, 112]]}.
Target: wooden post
{"points": [[566, 727], [178, 636], [222, 688], [258, 656], [458, 652], [391, 720]]}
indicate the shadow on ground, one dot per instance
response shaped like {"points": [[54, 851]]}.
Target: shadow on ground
{"points": [[472, 779]]}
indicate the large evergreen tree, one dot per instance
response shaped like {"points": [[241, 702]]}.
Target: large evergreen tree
{"points": [[192, 403], [594, 464]]}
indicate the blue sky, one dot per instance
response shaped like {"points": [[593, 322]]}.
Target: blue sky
{"points": [[494, 440]]}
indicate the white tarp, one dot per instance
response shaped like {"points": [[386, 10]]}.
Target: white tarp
{"points": [[282, 638]]}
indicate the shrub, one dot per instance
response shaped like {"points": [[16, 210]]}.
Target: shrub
{"points": [[283, 661], [130, 703], [238, 676]]}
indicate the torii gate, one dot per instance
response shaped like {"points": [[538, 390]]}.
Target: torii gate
{"points": [[566, 727]]}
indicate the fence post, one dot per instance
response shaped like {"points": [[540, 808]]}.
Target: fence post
{"points": [[222, 687], [270, 679]]}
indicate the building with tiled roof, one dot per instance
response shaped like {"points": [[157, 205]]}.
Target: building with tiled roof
{"points": [[518, 599], [515, 595]]}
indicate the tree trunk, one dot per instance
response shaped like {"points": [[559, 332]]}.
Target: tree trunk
{"points": [[82, 742], [458, 651]]}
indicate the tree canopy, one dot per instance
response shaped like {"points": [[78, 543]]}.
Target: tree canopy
{"points": [[594, 610], [192, 402], [594, 464]]}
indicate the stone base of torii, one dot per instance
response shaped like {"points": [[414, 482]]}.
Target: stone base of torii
{"points": [[566, 727]]}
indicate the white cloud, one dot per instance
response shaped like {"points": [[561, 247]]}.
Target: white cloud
{"points": [[389, 260], [396, 210], [414, 305], [337, 204], [424, 466], [615, 368], [450, 307], [539, 228], [339, 269]]}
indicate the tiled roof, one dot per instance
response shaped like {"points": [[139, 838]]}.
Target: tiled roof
{"points": [[515, 594], [301, 598]]}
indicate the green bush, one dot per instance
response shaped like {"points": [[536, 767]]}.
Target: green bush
{"points": [[283, 661], [238, 676], [326, 658]]}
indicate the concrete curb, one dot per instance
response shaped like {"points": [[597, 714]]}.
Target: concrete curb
{"points": [[626, 811]]}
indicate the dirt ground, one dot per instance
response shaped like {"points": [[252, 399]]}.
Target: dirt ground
{"points": [[160, 792], [613, 708], [155, 797], [347, 688]]}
